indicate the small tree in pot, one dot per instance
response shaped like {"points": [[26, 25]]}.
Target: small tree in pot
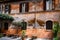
{"points": [[55, 30]]}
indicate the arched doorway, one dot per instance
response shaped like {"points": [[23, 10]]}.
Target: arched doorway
{"points": [[5, 26], [49, 25], [1, 27]]}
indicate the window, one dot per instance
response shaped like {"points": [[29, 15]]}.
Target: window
{"points": [[24, 7], [49, 25], [1, 27], [48, 4], [7, 9], [6, 26]]}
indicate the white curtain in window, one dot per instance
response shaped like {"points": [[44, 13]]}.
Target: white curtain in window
{"points": [[49, 5], [23, 8]]}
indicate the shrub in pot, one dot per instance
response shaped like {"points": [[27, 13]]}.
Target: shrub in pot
{"points": [[55, 29]]}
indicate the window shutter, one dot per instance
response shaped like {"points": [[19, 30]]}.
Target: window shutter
{"points": [[9, 8], [27, 7], [44, 4], [20, 7]]}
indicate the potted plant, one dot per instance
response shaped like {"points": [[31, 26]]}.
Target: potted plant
{"points": [[55, 30], [1, 35], [17, 23]]}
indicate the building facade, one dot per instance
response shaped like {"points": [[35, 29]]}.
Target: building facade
{"points": [[35, 13]]}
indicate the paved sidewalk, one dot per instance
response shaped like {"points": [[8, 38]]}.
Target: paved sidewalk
{"points": [[10, 38], [19, 38]]}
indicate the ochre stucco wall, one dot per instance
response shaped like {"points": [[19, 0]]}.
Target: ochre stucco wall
{"points": [[54, 16], [44, 16], [35, 6]]}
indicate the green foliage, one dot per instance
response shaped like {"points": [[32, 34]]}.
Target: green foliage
{"points": [[17, 23], [59, 29], [6, 17], [1, 35], [56, 38], [55, 28]]}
